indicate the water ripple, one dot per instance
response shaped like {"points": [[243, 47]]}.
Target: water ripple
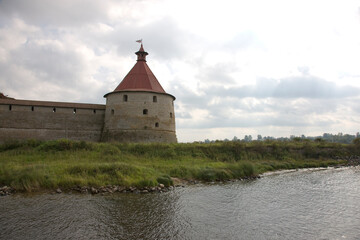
{"points": [[295, 205]]}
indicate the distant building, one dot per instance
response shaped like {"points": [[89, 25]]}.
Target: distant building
{"points": [[138, 110]]}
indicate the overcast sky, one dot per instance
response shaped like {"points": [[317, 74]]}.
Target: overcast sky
{"points": [[275, 68]]}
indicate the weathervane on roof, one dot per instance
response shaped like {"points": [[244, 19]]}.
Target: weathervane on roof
{"points": [[141, 53]]}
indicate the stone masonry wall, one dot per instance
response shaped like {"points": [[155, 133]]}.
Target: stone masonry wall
{"points": [[139, 117], [22, 119]]}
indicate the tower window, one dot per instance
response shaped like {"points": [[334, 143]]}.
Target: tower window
{"points": [[32, 108], [145, 111], [10, 107], [157, 124], [154, 99], [54, 109], [170, 115], [112, 111], [94, 111], [125, 98], [74, 111]]}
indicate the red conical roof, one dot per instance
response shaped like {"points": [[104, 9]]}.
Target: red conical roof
{"points": [[140, 77]]}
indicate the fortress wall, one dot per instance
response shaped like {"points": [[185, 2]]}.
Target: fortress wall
{"points": [[126, 121], [21, 119]]}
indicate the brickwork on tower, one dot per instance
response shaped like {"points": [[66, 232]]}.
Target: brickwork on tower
{"points": [[139, 118]]}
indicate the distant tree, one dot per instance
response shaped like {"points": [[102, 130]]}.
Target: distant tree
{"points": [[340, 138], [328, 137], [283, 139], [268, 138], [347, 138], [248, 138]]}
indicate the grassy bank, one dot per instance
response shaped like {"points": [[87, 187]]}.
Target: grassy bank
{"points": [[35, 165]]}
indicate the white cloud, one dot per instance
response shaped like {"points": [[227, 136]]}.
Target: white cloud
{"points": [[56, 13]]}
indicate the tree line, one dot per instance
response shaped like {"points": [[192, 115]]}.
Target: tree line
{"points": [[328, 137]]}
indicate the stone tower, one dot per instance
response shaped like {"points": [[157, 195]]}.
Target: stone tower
{"points": [[139, 110]]}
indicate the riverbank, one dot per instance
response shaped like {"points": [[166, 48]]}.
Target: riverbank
{"points": [[33, 166], [303, 204]]}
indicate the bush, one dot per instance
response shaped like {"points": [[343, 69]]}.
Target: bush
{"points": [[146, 183], [112, 170], [108, 149], [9, 145], [209, 174], [180, 172], [65, 145], [243, 170], [28, 178], [166, 180], [206, 174], [248, 169]]}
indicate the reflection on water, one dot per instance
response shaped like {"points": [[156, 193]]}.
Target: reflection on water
{"points": [[299, 205]]}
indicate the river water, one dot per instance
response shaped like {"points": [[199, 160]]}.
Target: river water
{"points": [[317, 204]]}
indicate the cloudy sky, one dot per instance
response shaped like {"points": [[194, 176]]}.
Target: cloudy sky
{"points": [[275, 68]]}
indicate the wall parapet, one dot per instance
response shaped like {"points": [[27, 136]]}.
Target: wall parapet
{"points": [[52, 104]]}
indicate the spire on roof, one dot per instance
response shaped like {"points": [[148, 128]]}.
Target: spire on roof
{"points": [[141, 54], [140, 77]]}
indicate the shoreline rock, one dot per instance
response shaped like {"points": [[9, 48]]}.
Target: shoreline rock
{"points": [[352, 160], [110, 189], [5, 191]]}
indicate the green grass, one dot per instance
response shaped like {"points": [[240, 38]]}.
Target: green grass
{"points": [[35, 165]]}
